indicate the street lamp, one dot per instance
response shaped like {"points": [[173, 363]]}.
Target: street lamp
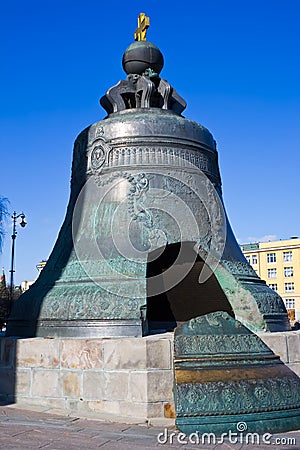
{"points": [[14, 217]]}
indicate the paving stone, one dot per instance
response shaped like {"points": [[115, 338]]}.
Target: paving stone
{"points": [[7, 443], [121, 445], [100, 425], [47, 431]]}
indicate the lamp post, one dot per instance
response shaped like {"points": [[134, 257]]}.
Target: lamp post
{"points": [[14, 217]]}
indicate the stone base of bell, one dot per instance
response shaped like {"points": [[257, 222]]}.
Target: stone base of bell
{"points": [[115, 379], [236, 426], [122, 379]]}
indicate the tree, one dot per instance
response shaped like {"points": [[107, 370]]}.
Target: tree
{"points": [[4, 300], [3, 215], [4, 295]]}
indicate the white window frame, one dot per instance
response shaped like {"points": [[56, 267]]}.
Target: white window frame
{"points": [[288, 272], [289, 303], [288, 256], [271, 258], [289, 287], [272, 273], [254, 259], [273, 286]]}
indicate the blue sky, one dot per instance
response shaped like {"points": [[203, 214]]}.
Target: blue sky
{"points": [[236, 63]]}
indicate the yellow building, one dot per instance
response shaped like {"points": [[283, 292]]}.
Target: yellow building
{"points": [[25, 285], [278, 263]]}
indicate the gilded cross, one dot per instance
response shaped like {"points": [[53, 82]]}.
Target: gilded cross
{"points": [[143, 24]]}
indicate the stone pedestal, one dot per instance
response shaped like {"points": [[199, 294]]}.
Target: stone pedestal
{"points": [[123, 379]]}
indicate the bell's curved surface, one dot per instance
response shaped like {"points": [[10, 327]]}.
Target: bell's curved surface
{"points": [[146, 243], [226, 378]]}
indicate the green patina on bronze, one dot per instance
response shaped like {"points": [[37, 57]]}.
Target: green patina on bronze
{"points": [[92, 285], [225, 374], [132, 174]]}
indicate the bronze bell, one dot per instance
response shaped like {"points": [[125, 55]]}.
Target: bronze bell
{"points": [[146, 243], [228, 381]]}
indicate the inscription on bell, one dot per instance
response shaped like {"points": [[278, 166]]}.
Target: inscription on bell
{"points": [[97, 157]]}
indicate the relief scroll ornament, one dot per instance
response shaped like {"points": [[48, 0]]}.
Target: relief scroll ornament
{"points": [[223, 369], [99, 154]]}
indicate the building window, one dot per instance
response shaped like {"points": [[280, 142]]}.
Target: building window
{"points": [[273, 286], [290, 303], [248, 258], [288, 287], [287, 256], [272, 273], [288, 272], [271, 257], [254, 259]]}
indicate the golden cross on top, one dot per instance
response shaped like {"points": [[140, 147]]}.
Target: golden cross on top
{"points": [[143, 24]]}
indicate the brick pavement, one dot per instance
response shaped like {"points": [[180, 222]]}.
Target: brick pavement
{"points": [[22, 429]]}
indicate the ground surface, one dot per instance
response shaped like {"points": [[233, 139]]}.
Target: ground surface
{"points": [[22, 429]]}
